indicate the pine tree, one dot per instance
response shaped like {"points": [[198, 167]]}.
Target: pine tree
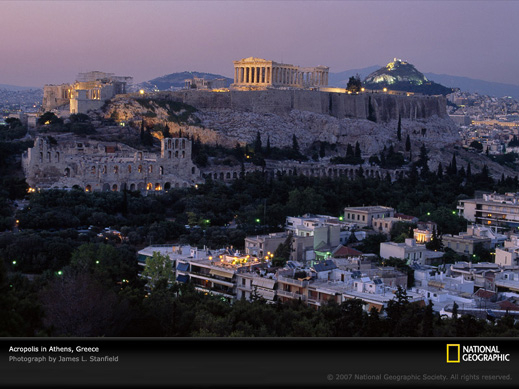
{"points": [[469, 172], [453, 168], [267, 149], [439, 172], [349, 151], [322, 150], [408, 143], [358, 153], [399, 129], [295, 145], [257, 143]]}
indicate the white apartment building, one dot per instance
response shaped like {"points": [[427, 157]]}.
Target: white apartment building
{"points": [[492, 209]]}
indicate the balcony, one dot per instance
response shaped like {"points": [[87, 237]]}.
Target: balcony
{"points": [[291, 295], [291, 281]]}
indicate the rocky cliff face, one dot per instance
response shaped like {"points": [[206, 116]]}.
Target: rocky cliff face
{"points": [[236, 117]]}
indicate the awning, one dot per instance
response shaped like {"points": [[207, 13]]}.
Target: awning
{"points": [[266, 294], [221, 273], [182, 278], [264, 282], [183, 266]]}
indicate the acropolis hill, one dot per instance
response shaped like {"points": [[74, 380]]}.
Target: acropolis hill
{"points": [[236, 116]]}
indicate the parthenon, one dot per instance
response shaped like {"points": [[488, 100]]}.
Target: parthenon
{"points": [[257, 73]]}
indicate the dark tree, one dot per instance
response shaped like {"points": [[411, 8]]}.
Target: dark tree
{"points": [[439, 172], [166, 132], [358, 153], [267, 149], [295, 144], [452, 169], [354, 84], [349, 151], [399, 128], [408, 143], [322, 150], [257, 143]]}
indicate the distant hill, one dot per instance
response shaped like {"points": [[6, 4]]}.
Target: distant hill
{"points": [[340, 80], [16, 88], [176, 80], [402, 76], [476, 86], [465, 84]]}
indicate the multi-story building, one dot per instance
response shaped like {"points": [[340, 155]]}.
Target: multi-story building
{"points": [[492, 209], [363, 216], [232, 276], [466, 242], [314, 237], [408, 250], [424, 231]]}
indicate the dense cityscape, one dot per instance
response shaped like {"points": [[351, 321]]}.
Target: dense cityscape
{"points": [[144, 207], [249, 193]]}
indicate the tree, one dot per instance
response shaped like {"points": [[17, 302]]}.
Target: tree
{"points": [[322, 150], [435, 243], [476, 145], [452, 169], [283, 251], [358, 153], [407, 143], [158, 267], [354, 84], [257, 143], [399, 129], [423, 161], [166, 132], [49, 118], [295, 144], [439, 172], [267, 149]]}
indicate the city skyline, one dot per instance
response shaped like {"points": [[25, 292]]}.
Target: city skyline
{"points": [[49, 42]]}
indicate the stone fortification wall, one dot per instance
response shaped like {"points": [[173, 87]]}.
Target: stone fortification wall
{"points": [[102, 166], [386, 107]]}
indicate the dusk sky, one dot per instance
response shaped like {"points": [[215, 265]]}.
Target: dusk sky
{"points": [[49, 42]]}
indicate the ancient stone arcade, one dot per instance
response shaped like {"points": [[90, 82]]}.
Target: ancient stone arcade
{"points": [[105, 166], [257, 73]]}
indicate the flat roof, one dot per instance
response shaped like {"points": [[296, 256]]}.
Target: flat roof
{"points": [[373, 208]]}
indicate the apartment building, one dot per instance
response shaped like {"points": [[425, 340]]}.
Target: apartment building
{"points": [[363, 216], [491, 209]]}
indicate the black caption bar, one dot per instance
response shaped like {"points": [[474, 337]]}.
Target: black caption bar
{"points": [[263, 362]]}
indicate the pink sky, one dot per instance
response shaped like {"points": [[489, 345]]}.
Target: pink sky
{"points": [[45, 42]]}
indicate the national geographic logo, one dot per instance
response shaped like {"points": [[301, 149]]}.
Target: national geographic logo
{"points": [[453, 353], [475, 353]]}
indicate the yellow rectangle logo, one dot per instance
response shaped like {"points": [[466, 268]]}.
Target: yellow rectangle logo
{"points": [[453, 353]]}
